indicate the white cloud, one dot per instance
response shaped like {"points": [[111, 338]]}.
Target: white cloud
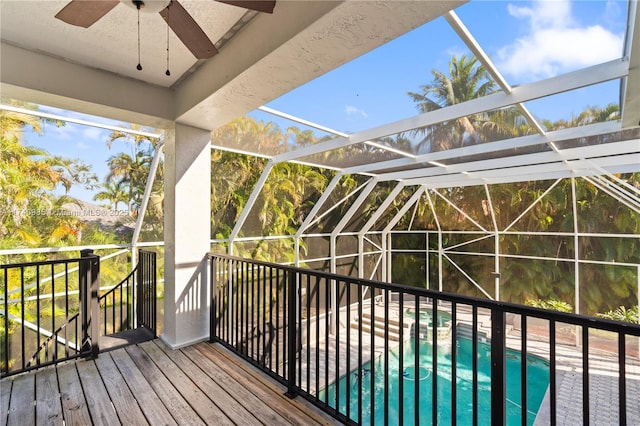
{"points": [[544, 14], [456, 51], [82, 145], [555, 43], [76, 132], [351, 110], [613, 10], [95, 134], [65, 132]]}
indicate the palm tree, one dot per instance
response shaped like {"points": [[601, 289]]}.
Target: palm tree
{"points": [[136, 139], [246, 131], [28, 177], [113, 192], [13, 123], [467, 80], [131, 172], [590, 115], [600, 114]]}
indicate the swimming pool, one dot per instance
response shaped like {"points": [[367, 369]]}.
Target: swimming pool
{"points": [[426, 315], [537, 383]]}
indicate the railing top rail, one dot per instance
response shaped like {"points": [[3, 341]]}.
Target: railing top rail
{"points": [[562, 317], [54, 261], [117, 286], [48, 250], [47, 262]]}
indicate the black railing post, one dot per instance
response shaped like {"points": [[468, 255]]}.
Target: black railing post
{"points": [[90, 293], [292, 288], [140, 280], [137, 290], [213, 288], [83, 272], [153, 292], [498, 379], [145, 291], [4, 338]]}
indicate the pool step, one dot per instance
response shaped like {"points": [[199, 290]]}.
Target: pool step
{"points": [[365, 321], [463, 328], [466, 330], [393, 322]]}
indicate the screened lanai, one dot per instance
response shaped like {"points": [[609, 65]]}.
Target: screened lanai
{"points": [[508, 215], [443, 196], [358, 198]]}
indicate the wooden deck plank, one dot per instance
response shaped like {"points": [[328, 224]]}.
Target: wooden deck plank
{"points": [[152, 407], [233, 407], [5, 396], [21, 406], [74, 406], [48, 406], [236, 389], [96, 395], [125, 404], [150, 383], [208, 411], [125, 338], [295, 410], [170, 396]]}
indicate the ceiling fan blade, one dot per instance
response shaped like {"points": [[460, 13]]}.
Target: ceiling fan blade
{"points": [[265, 6], [188, 31], [85, 13]]}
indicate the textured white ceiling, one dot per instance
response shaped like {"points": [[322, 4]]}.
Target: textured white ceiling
{"points": [[111, 43]]}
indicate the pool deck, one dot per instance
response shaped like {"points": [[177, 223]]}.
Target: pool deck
{"points": [[603, 389], [603, 376]]}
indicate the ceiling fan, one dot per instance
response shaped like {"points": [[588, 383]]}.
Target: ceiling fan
{"points": [[85, 13]]}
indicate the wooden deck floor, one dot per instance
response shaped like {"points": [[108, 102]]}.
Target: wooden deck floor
{"points": [[149, 383]]}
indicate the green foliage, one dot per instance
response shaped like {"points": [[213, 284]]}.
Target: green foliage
{"points": [[622, 314], [467, 80], [30, 211], [551, 214], [127, 179], [551, 304], [291, 190], [287, 196]]}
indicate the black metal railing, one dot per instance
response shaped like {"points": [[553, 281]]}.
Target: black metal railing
{"points": [[51, 311], [375, 353], [42, 296], [146, 291], [131, 303]]}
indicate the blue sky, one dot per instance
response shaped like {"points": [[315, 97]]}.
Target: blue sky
{"points": [[527, 40], [546, 38]]}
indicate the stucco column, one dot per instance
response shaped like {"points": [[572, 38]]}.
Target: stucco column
{"points": [[187, 234]]}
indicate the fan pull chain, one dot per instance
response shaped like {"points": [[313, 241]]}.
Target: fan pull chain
{"points": [[168, 17], [139, 67]]}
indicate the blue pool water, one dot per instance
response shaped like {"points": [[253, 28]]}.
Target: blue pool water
{"points": [[537, 379]]}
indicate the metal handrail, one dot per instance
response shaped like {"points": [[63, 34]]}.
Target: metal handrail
{"points": [[55, 336], [137, 286], [83, 272], [312, 353]]}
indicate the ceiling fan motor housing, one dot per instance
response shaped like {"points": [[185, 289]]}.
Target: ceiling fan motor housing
{"points": [[148, 6]]}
